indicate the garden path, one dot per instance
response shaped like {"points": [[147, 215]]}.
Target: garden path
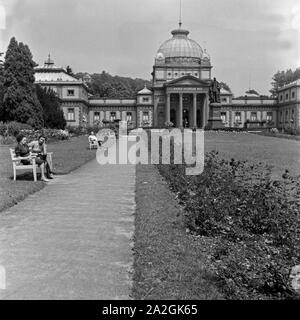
{"points": [[72, 239]]}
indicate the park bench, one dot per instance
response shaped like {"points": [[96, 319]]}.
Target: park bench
{"points": [[93, 144], [18, 165]]}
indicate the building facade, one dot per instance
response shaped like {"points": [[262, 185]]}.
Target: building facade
{"points": [[179, 95]]}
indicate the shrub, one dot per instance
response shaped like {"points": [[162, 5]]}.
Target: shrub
{"points": [[76, 130], [274, 130], [254, 220], [3, 129], [14, 128], [169, 124]]}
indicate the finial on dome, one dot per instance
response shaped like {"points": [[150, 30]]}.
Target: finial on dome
{"points": [[49, 63], [180, 22]]}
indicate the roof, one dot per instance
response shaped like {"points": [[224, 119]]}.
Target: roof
{"points": [[225, 92], [180, 46], [290, 85], [112, 102], [145, 90], [51, 73], [54, 75]]}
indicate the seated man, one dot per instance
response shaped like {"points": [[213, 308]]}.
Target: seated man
{"points": [[92, 137]]}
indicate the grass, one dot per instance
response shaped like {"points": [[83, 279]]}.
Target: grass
{"points": [[67, 156], [168, 262], [281, 154], [279, 135]]}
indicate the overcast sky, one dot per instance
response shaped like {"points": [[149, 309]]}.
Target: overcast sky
{"points": [[246, 39]]}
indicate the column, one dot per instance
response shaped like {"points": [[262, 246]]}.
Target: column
{"points": [[155, 111], [205, 110], [180, 111], [168, 108], [194, 123]]}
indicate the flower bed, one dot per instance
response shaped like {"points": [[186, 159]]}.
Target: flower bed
{"points": [[254, 221], [9, 131]]}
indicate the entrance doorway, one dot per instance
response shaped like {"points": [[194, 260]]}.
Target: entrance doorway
{"points": [[199, 118], [173, 117], [186, 118]]}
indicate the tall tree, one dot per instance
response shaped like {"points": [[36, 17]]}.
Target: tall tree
{"points": [[1, 86], [52, 113], [20, 99]]}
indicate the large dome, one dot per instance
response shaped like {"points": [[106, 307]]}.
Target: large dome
{"points": [[180, 46]]}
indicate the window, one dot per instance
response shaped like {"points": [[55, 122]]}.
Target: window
{"points": [[129, 116], [223, 117], [281, 97], [269, 116], [112, 116], [169, 74], [176, 74], [223, 100], [253, 116], [71, 114], [146, 116], [70, 92], [196, 74], [293, 115], [286, 96], [96, 116], [145, 99], [293, 95], [238, 117], [182, 73], [281, 115], [286, 115]]}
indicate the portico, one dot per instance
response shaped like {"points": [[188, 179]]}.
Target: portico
{"points": [[187, 102]]}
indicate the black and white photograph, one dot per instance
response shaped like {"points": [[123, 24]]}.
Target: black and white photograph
{"points": [[149, 151]]}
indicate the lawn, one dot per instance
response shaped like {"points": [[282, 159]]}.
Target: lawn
{"points": [[171, 263], [168, 262], [67, 156], [280, 153]]}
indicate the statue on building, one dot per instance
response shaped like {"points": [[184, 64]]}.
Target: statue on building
{"points": [[214, 91]]}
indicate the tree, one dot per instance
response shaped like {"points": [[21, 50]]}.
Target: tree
{"points": [[52, 114], [1, 86], [225, 86], [20, 100], [107, 86], [282, 78]]}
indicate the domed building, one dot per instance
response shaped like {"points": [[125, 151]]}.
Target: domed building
{"points": [[180, 95], [181, 82]]}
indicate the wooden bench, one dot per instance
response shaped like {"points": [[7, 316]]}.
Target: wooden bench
{"points": [[18, 165]]}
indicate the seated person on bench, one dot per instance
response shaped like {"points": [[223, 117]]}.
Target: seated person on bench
{"points": [[22, 150], [94, 139], [38, 147]]}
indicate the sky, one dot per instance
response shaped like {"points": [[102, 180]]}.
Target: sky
{"points": [[248, 40]]}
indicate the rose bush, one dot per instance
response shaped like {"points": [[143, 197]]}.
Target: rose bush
{"points": [[254, 221]]}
